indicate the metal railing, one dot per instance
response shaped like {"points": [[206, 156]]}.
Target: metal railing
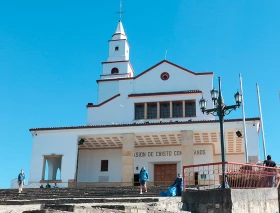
{"points": [[238, 176]]}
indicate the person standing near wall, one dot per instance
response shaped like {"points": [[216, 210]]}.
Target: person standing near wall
{"points": [[179, 184], [21, 179], [270, 172], [143, 177]]}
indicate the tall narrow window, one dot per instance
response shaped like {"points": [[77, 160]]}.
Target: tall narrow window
{"points": [[165, 110], [177, 109], [152, 111], [190, 109], [139, 111], [104, 165], [116, 48]]}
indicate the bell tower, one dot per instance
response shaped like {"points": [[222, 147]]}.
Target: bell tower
{"points": [[118, 46], [118, 64]]}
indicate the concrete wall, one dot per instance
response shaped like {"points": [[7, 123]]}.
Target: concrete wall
{"points": [[263, 200]]}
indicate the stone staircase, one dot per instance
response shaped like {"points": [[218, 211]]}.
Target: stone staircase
{"points": [[98, 199]]}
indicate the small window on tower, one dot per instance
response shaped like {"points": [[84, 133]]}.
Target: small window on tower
{"points": [[115, 70], [116, 48]]}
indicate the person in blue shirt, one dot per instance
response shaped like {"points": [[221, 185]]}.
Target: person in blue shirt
{"points": [[21, 179], [179, 184], [143, 177]]}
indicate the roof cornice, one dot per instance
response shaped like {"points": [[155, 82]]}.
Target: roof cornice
{"points": [[142, 124], [165, 93]]}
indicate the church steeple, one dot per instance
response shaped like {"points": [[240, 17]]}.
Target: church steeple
{"points": [[118, 46], [119, 33], [118, 64]]}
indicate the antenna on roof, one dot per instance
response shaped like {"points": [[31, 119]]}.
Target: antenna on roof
{"points": [[165, 55], [121, 11]]}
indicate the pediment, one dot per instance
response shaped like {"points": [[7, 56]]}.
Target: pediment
{"points": [[167, 65]]}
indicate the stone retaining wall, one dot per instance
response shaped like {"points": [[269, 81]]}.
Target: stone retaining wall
{"points": [[263, 200]]}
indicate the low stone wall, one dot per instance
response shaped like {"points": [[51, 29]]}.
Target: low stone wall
{"points": [[263, 200]]}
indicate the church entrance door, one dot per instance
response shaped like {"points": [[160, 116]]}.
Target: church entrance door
{"points": [[165, 174]]}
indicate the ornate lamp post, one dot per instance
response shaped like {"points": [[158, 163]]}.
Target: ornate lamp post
{"points": [[221, 110]]}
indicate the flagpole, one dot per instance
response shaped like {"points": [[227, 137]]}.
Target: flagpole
{"points": [[260, 109], [244, 123]]}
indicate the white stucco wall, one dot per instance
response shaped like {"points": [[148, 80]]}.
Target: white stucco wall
{"points": [[121, 54], [90, 161], [59, 144], [123, 67], [64, 142], [252, 139], [89, 165], [179, 80], [121, 109], [106, 91]]}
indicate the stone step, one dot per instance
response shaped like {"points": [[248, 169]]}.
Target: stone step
{"points": [[99, 192], [79, 200]]}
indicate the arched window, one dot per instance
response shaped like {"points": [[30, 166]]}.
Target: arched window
{"points": [[58, 174], [115, 70]]}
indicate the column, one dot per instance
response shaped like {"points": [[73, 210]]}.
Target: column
{"points": [[171, 109], [158, 110], [128, 159], [145, 111], [184, 109], [187, 147], [187, 156]]}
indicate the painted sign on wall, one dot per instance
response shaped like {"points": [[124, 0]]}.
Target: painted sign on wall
{"points": [[166, 153]]}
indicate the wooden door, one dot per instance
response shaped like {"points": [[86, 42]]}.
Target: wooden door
{"points": [[165, 174]]}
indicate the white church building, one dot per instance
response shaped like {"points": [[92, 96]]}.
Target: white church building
{"points": [[151, 119]]}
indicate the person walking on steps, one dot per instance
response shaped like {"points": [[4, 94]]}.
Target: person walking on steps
{"points": [[21, 179], [179, 185], [143, 177]]}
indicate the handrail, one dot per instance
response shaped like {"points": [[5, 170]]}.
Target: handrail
{"points": [[238, 175]]}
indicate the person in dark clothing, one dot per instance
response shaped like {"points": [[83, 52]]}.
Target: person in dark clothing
{"points": [[270, 172], [179, 185], [143, 177], [21, 179]]}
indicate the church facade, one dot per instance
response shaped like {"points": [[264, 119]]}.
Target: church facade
{"points": [[151, 119]]}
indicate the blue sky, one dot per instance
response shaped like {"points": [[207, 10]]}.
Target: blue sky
{"points": [[51, 54]]}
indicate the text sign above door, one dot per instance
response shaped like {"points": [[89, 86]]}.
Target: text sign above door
{"points": [[166, 153]]}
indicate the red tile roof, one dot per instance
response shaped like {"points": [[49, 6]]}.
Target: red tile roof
{"points": [[141, 124]]}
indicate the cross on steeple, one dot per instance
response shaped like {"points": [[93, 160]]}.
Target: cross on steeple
{"points": [[121, 11]]}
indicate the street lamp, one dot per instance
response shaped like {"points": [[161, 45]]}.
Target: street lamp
{"points": [[221, 110]]}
